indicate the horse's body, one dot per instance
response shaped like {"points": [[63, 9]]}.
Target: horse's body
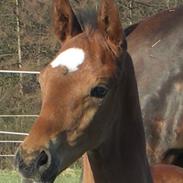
{"points": [[161, 173], [156, 47], [167, 174], [89, 104]]}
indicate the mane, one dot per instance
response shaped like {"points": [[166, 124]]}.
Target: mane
{"points": [[86, 13], [130, 29]]}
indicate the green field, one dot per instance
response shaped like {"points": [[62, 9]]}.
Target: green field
{"points": [[68, 176]]}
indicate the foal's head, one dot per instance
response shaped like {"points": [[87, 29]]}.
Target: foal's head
{"points": [[77, 88]]}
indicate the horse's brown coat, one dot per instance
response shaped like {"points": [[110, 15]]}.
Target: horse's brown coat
{"points": [[167, 174], [76, 117], [161, 173], [156, 45]]}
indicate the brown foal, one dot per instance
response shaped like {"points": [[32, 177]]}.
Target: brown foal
{"points": [[89, 104]]}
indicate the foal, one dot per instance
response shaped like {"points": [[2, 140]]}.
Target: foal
{"points": [[89, 104]]}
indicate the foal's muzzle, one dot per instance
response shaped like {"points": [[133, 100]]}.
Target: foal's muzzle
{"points": [[33, 165]]}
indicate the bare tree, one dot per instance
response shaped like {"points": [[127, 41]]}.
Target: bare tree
{"points": [[19, 43]]}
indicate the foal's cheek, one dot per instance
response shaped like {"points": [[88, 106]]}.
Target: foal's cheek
{"points": [[81, 125]]}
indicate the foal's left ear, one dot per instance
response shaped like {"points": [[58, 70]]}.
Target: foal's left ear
{"points": [[109, 22], [66, 24]]}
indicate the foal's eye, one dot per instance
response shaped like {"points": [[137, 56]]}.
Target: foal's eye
{"points": [[99, 91]]}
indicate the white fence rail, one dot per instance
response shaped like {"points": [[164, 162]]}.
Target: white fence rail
{"points": [[11, 141], [19, 72], [17, 116], [13, 133], [7, 155]]}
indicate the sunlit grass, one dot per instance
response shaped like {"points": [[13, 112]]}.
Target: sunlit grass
{"points": [[68, 176]]}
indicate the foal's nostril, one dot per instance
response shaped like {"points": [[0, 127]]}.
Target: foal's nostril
{"points": [[43, 161], [43, 158], [33, 164]]}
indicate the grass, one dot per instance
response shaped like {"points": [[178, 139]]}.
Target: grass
{"points": [[68, 176]]}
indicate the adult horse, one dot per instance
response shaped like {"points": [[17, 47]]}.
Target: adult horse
{"points": [[167, 174], [161, 173], [89, 104], [156, 47]]}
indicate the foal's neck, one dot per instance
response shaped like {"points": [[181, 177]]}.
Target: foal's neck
{"points": [[122, 157], [119, 160]]}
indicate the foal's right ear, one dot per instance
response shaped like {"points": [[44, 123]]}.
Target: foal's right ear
{"points": [[109, 22], [66, 24]]}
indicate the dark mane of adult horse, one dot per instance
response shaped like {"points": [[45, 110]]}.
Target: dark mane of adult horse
{"points": [[156, 47], [89, 104]]}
